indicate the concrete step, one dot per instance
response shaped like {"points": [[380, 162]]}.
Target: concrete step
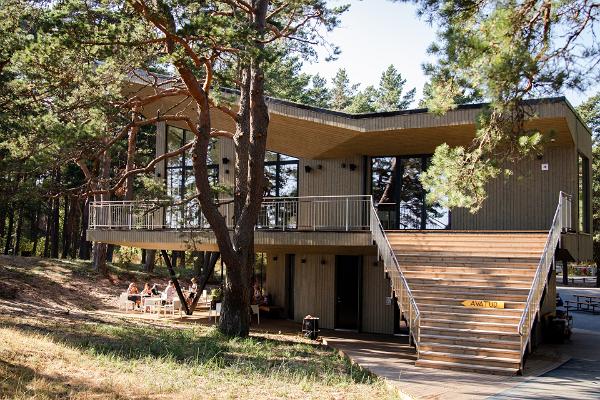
{"points": [[471, 341], [465, 367], [473, 360], [449, 322]]}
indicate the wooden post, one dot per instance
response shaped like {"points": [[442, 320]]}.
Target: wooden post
{"points": [[175, 281], [565, 269]]}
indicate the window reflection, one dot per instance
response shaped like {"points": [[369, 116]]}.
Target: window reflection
{"points": [[400, 197]]}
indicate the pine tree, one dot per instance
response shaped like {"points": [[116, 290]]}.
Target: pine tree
{"points": [[390, 94]]}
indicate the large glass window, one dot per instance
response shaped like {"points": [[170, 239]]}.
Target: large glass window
{"points": [[583, 183], [282, 175], [180, 173], [400, 197]]}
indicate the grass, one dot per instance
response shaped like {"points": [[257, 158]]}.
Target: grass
{"points": [[89, 355]]}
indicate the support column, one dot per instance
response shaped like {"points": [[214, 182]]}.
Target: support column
{"points": [[565, 268]]}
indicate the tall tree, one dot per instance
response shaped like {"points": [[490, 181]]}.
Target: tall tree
{"points": [[590, 113], [507, 51], [342, 91], [390, 94]]}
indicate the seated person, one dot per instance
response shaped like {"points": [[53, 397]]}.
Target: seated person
{"points": [[169, 294], [257, 297], [146, 292], [131, 291], [193, 291], [154, 290]]}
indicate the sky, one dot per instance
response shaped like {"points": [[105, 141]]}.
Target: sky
{"points": [[376, 33]]}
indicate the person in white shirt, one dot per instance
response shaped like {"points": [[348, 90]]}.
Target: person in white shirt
{"points": [[168, 294]]}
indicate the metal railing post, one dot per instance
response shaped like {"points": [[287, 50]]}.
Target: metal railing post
{"points": [[347, 216]]}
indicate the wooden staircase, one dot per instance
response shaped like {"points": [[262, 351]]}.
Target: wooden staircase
{"points": [[443, 269]]}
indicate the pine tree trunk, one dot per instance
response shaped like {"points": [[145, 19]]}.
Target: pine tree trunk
{"points": [[150, 261], [18, 234], [237, 293], [47, 235], [100, 252], [2, 222], [66, 235], [9, 231], [84, 245], [55, 228], [35, 222]]}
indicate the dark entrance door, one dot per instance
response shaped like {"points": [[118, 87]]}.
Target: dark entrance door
{"points": [[290, 262], [347, 289]]}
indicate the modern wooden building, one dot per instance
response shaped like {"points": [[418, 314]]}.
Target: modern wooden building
{"points": [[348, 236]]}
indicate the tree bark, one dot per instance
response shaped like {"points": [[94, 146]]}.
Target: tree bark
{"points": [[84, 245], [2, 221], [35, 228], [9, 230], [66, 236], [54, 229], [150, 261], [101, 249], [47, 233], [18, 233]]}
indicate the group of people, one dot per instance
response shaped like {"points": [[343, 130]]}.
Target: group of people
{"points": [[167, 295]]}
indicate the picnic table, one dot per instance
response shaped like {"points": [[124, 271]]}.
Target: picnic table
{"points": [[583, 302]]}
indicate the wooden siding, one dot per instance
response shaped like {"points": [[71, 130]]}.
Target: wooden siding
{"points": [[377, 317], [309, 242], [275, 284], [314, 290], [527, 199]]}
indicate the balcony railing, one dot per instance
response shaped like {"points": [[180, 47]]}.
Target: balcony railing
{"points": [[330, 213]]}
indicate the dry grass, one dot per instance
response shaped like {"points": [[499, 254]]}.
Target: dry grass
{"points": [[49, 354]]}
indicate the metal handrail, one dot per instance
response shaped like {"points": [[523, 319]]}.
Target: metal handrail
{"points": [[344, 213], [406, 300], [560, 222]]}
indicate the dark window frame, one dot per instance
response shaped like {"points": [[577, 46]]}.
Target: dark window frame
{"points": [[583, 190]]}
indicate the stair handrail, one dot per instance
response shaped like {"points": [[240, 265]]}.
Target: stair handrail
{"points": [[561, 221], [385, 251]]}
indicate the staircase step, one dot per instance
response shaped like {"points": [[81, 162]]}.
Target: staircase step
{"points": [[455, 366], [483, 271], [457, 260], [433, 290], [443, 308], [452, 301], [470, 350], [471, 333], [469, 282], [471, 341], [486, 361], [469, 324], [497, 277], [466, 316]]}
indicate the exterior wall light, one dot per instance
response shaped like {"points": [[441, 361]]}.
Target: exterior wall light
{"points": [[303, 261], [274, 258], [352, 167], [225, 160], [323, 261], [307, 169]]}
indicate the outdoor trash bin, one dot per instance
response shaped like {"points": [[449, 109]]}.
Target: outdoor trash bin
{"points": [[310, 327]]}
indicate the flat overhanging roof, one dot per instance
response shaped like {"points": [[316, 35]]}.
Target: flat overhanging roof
{"points": [[310, 132]]}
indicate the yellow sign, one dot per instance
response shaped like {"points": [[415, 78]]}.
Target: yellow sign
{"points": [[483, 304]]}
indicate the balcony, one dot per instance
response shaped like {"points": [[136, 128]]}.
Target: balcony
{"points": [[316, 223]]}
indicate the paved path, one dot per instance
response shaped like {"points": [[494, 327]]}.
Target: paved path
{"points": [[554, 371]]}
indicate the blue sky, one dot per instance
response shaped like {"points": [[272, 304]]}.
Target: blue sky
{"points": [[377, 33]]}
